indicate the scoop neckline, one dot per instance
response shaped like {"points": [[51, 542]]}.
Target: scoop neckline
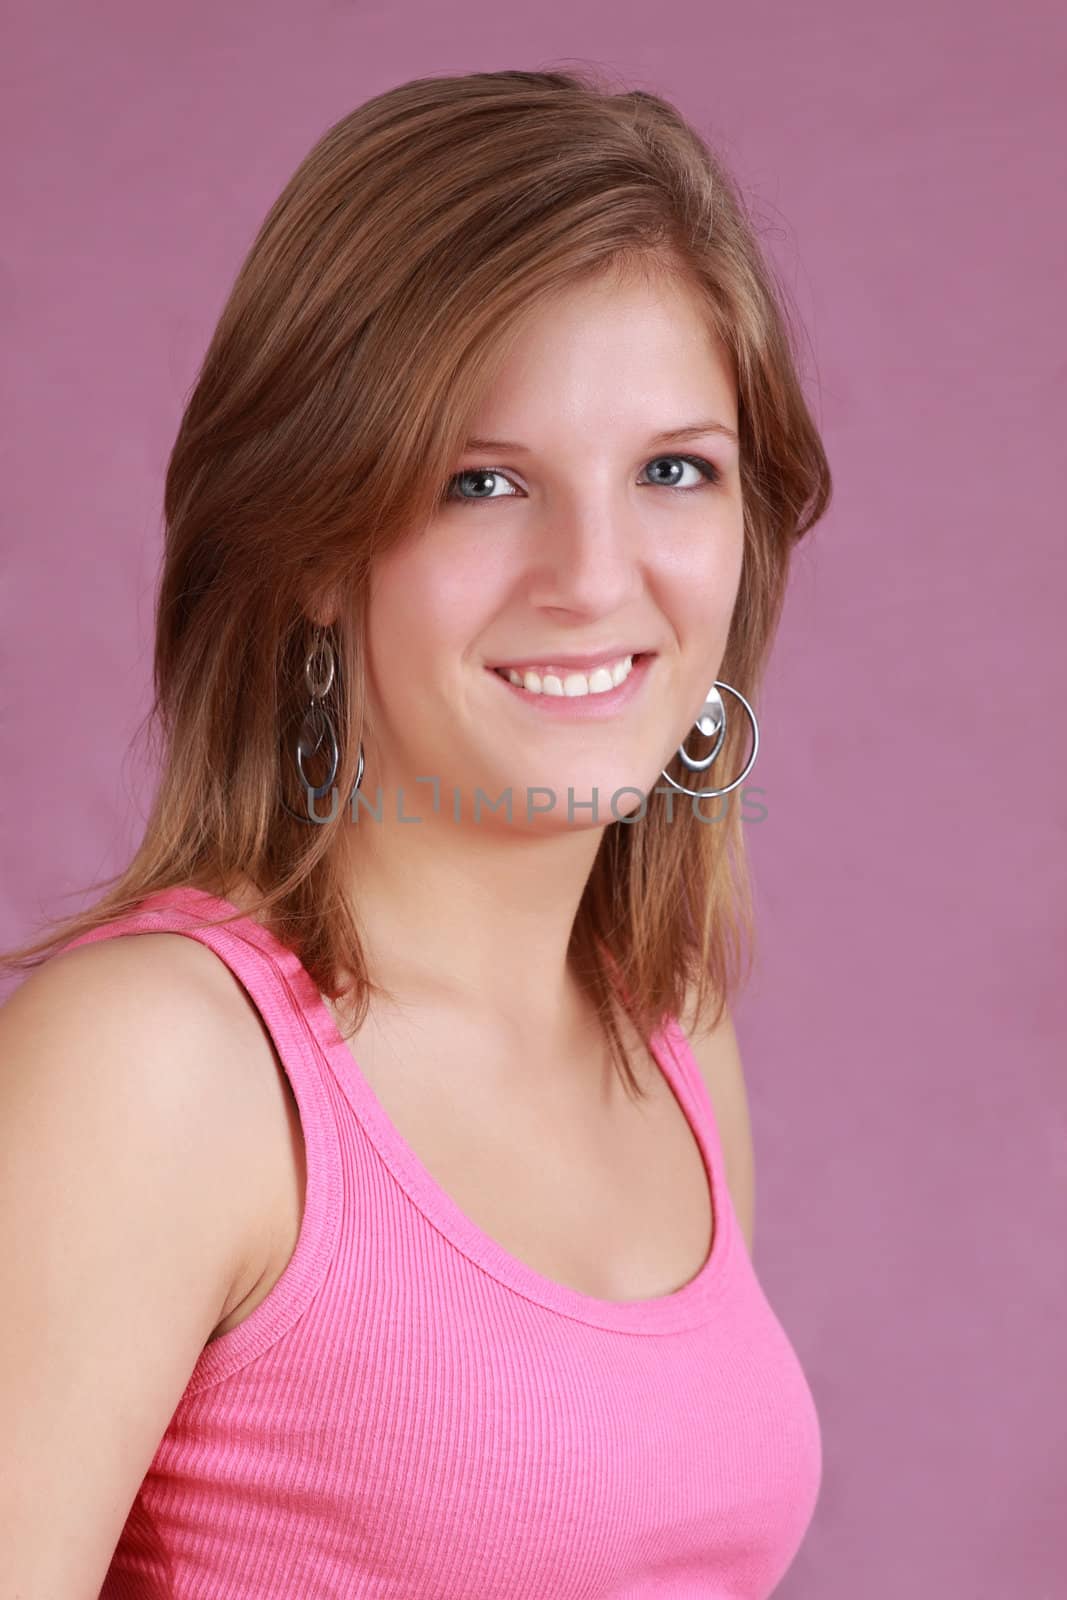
{"points": [[686, 1307]]}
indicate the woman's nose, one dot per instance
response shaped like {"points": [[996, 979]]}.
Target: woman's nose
{"points": [[587, 556]]}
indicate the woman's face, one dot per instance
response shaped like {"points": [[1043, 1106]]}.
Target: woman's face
{"points": [[586, 534]]}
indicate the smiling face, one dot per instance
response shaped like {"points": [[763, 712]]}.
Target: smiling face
{"points": [[585, 536]]}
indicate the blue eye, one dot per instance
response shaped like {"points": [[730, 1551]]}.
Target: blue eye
{"points": [[708, 473]]}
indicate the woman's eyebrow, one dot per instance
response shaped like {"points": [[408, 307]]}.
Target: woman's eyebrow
{"points": [[692, 430]]}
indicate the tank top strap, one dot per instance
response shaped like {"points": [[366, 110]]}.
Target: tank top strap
{"points": [[687, 1079], [674, 1053], [278, 986]]}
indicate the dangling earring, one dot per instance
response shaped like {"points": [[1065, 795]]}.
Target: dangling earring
{"points": [[317, 726], [712, 723]]}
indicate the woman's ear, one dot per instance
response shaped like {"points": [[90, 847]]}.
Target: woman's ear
{"points": [[323, 607]]}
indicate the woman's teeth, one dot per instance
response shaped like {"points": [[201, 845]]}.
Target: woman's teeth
{"points": [[556, 681]]}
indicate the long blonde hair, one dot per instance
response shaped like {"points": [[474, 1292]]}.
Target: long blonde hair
{"points": [[374, 305]]}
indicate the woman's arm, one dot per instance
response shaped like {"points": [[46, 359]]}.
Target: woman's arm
{"points": [[120, 1238]]}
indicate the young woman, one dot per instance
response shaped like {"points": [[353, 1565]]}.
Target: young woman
{"points": [[383, 1224]]}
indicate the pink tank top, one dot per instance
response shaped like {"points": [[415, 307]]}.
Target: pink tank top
{"points": [[413, 1412]]}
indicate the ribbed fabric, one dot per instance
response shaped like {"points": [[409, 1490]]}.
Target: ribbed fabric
{"points": [[413, 1412]]}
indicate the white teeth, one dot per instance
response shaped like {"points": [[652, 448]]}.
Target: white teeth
{"points": [[573, 684]]}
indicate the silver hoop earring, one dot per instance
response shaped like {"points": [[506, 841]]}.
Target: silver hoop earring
{"points": [[712, 723], [317, 727]]}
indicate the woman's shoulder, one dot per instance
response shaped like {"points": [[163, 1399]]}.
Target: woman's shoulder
{"points": [[161, 982], [139, 974], [154, 1035], [124, 978]]}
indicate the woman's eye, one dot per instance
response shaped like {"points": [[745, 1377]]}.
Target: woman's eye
{"points": [[482, 490], [707, 472], [481, 479]]}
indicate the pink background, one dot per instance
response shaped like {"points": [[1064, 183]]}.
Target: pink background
{"points": [[904, 1036]]}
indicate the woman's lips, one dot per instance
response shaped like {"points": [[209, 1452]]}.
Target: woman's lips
{"points": [[582, 707]]}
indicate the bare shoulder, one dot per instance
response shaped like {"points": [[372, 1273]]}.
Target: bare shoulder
{"points": [[718, 1055], [161, 989], [155, 1024]]}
